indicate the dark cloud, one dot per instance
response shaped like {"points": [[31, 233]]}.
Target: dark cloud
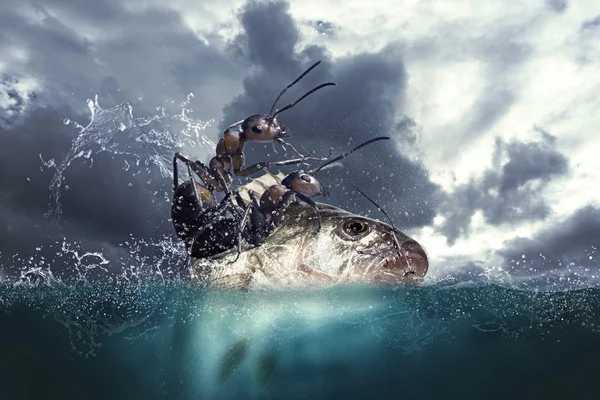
{"points": [[74, 52], [364, 104], [569, 245], [507, 192], [103, 47], [324, 27], [591, 24], [104, 204], [557, 5]]}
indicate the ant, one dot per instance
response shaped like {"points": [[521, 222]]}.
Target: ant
{"points": [[266, 214], [193, 202]]}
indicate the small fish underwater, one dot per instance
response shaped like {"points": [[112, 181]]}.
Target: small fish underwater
{"points": [[262, 292]]}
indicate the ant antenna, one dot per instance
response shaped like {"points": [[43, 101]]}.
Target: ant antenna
{"points": [[303, 97], [375, 204], [388, 218], [292, 84], [350, 152]]}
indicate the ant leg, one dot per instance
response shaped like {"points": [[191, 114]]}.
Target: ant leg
{"points": [[257, 228], [311, 203], [238, 198], [223, 182], [240, 230], [193, 183], [285, 144], [259, 166], [175, 178], [201, 170]]}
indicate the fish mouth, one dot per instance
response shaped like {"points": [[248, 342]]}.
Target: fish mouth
{"points": [[407, 265]]}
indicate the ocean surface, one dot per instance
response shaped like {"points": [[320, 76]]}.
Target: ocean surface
{"points": [[177, 341]]}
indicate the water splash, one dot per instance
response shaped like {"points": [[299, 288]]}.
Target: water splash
{"points": [[134, 262], [147, 140]]}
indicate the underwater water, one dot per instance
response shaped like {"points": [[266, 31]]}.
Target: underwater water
{"points": [[180, 342], [80, 323]]}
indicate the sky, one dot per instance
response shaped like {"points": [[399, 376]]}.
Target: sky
{"points": [[492, 111]]}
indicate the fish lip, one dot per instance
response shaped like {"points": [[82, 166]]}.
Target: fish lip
{"points": [[394, 270], [406, 263]]}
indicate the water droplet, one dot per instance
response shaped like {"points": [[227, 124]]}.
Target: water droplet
{"points": [[140, 98], [523, 256], [66, 121], [28, 179]]}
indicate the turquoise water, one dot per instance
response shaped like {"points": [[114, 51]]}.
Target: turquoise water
{"points": [[175, 341]]}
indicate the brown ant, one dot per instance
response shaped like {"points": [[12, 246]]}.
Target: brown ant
{"points": [[192, 200], [266, 214], [230, 148]]}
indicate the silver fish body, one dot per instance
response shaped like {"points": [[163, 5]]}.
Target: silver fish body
{"points": [[348, 249]]}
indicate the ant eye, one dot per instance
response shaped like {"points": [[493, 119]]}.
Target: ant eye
{"points": [[354, 227], [305, 178], [257, 129]]}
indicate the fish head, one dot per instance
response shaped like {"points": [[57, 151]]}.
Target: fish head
{"points": [[357, 249]]}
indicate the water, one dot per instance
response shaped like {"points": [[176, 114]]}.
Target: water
{"points": [[180, 342], [147, 140], [78, 323]]}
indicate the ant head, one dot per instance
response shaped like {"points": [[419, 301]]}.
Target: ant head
{"points": [[304, 183], [266, 128], [263, 128]]}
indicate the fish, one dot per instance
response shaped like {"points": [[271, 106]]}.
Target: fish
{"points": [[348, 249]]}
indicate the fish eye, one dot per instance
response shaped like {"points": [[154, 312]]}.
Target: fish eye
{"points": [[257, 129], [355, 227], [305, 178]]}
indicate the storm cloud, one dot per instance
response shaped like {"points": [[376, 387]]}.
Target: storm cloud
{"points": [[367, 101], [151, 54], [65, 54], [510, 191], [103, 204], [433, 90], [569, 245]]}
